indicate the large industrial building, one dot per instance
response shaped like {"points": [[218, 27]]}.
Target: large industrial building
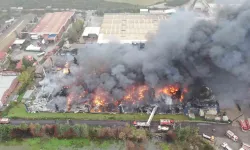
{"points": [[52, 25], [129, 28]]}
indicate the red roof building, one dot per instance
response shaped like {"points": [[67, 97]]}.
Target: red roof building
{"points": [[52, 25]]}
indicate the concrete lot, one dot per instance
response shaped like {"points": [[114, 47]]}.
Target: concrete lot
{"points": [[18, 54]]}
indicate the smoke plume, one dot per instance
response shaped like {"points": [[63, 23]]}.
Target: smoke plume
{"points": [[215, 50]]}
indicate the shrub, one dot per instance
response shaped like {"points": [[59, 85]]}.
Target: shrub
{"points": [[5, 132]]}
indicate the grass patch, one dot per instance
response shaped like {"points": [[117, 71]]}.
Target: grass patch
{"points": [[137, 2], [19, 112], [164, 146], [55, 144]]}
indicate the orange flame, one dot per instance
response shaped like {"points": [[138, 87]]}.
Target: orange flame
{"points": [[99, 97], [142, 90], [135, 93], [171, 90]]}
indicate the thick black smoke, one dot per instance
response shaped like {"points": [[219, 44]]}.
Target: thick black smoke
{"points": [[216, 50]]}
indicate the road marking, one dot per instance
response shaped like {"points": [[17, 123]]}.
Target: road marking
{"points": [[12, 31]]}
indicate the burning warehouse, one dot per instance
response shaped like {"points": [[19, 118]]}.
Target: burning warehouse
{"points": [[116, 77]]}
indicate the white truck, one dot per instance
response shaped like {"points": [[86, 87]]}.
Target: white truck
{"points": [[225, 146], [4, 120], [232, 136], [210, 138], [165, 124]]}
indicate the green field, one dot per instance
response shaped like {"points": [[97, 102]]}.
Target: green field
{"points": [[19, 112], [137, 2], [59, 144]]}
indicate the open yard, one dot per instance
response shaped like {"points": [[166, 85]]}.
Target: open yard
{"points": [[19, 112], [137, 2]]}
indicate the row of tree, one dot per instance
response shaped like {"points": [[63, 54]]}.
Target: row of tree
{"points": [[75, 131]]}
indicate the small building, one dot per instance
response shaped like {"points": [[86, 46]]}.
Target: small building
{"points": [[28, 95], [91, 32]]}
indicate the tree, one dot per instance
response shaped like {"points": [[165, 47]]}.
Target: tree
{"points": [[5, 132], [130, 145], [171, 136], [122, 136], [85, 130], [72, 35], [78, 25], [183, 134], [27, 63], [23, 126], [62, 129], [24, 77], [78, 130]]}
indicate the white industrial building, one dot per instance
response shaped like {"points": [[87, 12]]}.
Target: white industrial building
{"points": [[91, 32], [129, 28]]}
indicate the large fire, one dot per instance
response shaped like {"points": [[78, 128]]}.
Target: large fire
{"points": [[135, 93], [132, 95], [99, 99], [173, 91]]}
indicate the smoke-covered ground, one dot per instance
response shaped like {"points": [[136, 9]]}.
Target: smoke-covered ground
{"points": [[183, 48]]}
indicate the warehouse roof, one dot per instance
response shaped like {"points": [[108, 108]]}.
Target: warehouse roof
{"points": [[91, 30], [128, 28], [52, 23]]}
